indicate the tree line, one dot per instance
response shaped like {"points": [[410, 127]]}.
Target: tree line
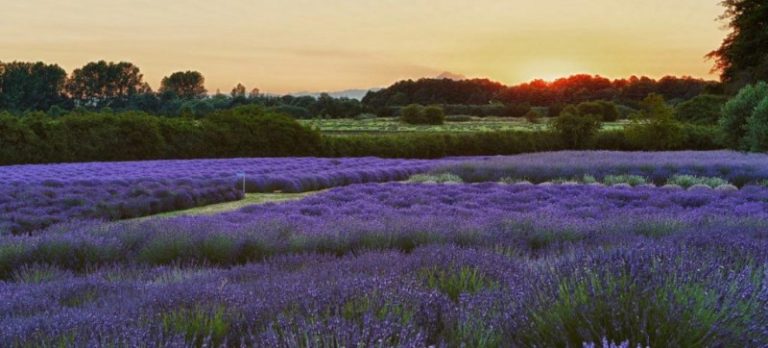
{"points": [[120, 86], [244, 131], [568, 90]]}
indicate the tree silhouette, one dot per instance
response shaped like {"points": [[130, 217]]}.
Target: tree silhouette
{"points": [[104, 83], [31, 86], [184, 84], [743, 56]]}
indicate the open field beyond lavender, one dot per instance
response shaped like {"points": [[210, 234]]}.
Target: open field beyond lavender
{"points": [[560, 249], [468, 125]]}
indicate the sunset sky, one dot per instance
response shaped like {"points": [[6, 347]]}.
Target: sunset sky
{"points": [[296, 45]]}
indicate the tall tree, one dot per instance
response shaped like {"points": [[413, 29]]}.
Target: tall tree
{"points": [[238, 91], [743, 56], [184, 84], [106, 83], [31, 86]]}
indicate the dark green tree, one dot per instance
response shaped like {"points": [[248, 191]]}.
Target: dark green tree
{"points": [[31, 86], [412, 114], [238, 91], [704, 109], [607, 111], [576, 130], [433, 115], [757, 128], [184, 84], [743, 56], [102, 83], [655, 127], [736, 113]]}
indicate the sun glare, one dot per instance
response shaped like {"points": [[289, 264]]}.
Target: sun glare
{"points": [[550, 69]]}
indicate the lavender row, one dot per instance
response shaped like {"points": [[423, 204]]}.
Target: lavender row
{"points": [[261, 170], [738, 168], [28, 207], [395, 216], [686, 290]]}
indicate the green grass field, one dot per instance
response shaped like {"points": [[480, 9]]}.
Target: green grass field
{"points": [[393, 125]]}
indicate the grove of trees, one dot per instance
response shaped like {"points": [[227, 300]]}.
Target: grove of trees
{"points": [[569, 90], [29, 87]]}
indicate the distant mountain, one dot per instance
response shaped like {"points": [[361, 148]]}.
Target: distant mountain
{"points": [[347, 93], [451, 76]]}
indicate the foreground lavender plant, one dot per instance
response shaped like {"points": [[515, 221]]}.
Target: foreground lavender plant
{"points": [[638, 293]]}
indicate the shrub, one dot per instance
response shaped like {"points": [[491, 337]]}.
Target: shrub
{"points": [[607, 111], [411, 114], [555, 110], [249, 131], [699, 137], [703, 109], [574, 129], [757, 128], [292, 110], [433, 115], [625, 111], [82, 137], [737, 112], [17, 142], [516, 110], [655, 127], [435, 145], [532, 116]]}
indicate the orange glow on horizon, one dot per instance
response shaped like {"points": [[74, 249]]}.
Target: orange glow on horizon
{"points": [[306, 45]]}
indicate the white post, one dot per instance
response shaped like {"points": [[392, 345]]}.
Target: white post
{"points": [[242, 175]]}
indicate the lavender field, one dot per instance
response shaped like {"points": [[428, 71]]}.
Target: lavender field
{"points": [[37, 196], [385, 262]]}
